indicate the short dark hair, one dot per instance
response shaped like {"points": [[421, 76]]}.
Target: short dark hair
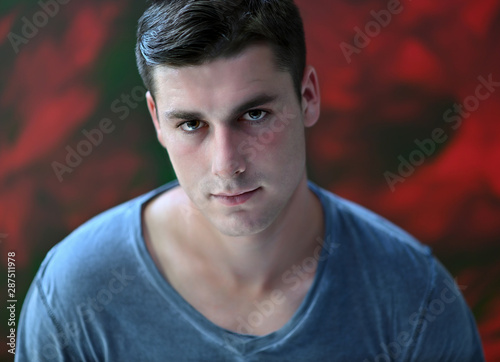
{"points": [[191, 32]]}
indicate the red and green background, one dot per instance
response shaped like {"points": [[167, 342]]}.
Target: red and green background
{"points": [[396, 87]]}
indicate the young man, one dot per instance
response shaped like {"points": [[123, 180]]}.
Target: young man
{"points": [[242, 259]]}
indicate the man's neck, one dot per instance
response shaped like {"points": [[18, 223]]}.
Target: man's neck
{"points": [[255, 262], [261, 259]]}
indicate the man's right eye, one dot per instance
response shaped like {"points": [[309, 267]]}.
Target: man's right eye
{"points": [[191, 126]]}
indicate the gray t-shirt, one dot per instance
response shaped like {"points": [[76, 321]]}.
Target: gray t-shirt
{"points": [[378, 295]]}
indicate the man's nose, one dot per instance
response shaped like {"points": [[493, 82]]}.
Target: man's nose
{"points": [[227, 160]]}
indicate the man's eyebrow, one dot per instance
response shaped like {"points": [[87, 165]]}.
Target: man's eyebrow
{"points": [[254, 102], [251, 103], [183, 115]]}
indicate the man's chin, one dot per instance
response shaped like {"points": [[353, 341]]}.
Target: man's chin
{"points": [[237, 226]]}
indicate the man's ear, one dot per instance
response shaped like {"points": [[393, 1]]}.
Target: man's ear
{"points": [[311, 101], [154, 115]]}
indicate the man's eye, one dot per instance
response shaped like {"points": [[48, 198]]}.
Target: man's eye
{"points": [[190, 126], [255, 115]]}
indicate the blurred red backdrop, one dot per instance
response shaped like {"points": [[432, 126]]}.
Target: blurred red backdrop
{"points": [[404, 130]]}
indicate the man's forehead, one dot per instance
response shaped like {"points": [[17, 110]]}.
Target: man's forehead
{"points": [[223, 84], [255, 64]]}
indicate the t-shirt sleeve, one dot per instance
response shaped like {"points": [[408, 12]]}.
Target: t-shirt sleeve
{"points": [[41, 336], [445, 328]]}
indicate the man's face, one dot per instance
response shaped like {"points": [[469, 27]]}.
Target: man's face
{"points": [[234, 131]]}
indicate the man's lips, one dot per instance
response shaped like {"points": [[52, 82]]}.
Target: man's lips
{"points": [[236, 197], [235, 193]]}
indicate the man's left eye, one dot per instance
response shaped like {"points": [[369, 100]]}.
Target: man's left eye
{"points": [[255, 115]]}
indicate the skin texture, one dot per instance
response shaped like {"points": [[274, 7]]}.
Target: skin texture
{"points": [[230, 126]]}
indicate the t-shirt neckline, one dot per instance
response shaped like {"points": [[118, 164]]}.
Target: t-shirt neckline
{"points": [[243, 344]]}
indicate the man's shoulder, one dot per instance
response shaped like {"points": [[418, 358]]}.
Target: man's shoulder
{"points": [[101, 262], [101, 247], [369, 250], [359, 224], [377, 261]]}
